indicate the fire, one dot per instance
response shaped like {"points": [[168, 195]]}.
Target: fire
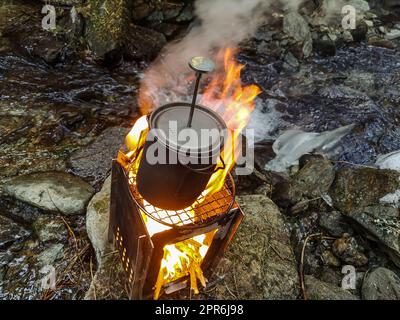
{"points": [[226, 95], [235, 103]]}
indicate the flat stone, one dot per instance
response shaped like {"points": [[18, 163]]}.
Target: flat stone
{"points": [[381, 284], [319, 290], [93, 162], [51, 191], [259, 256], [11, 232], [362, 187]]}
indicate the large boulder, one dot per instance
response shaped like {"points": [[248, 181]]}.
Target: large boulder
{"points": [[51, 191], [259, 263], [381, 284]]}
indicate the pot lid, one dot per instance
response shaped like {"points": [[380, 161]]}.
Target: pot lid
{"points": [[172, 120]]}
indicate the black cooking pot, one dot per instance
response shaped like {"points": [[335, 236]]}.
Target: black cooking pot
{"points": [[178, 181]]}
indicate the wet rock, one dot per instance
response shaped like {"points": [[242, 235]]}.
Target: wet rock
{"points": [[349, 251], [381, 224], [97, 220], [360, 5], [170, 9], [319, 290], [141, 10], [325, 48], [248, 184], [143, 43], [360, 32], [381, 284], [187, 14], [50, 229], [51, 191], [379, 42], [93, 162], [361, 187], [334, 223], [18, 210], [50, 255], [296, 26], [11, 232], [393, 34], [50, 50], [107, 25], [260, 256]]}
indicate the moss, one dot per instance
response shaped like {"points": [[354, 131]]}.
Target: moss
{"points": [[108, 20]]}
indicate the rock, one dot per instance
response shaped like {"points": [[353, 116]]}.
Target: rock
{"points": [[382, 224], [11, 232], [51, 191], [296, 26], [314, 178], [141, 10], [260, 256], [170, 9], [379, 42], [361, 6], [50, 255], [360, 32], [50, 229], [107, 25], [50, 50], [143, 43], [334, 223], [291, 60], [19, 210], [307, 48], [250, 183], [393, 34], [325, 48], [347, 36], [97, 220], [311, 181], [187, 14], [361, 187], [381, 284], [329, 259], [319, 290], [93, 162], [349, 251]]}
